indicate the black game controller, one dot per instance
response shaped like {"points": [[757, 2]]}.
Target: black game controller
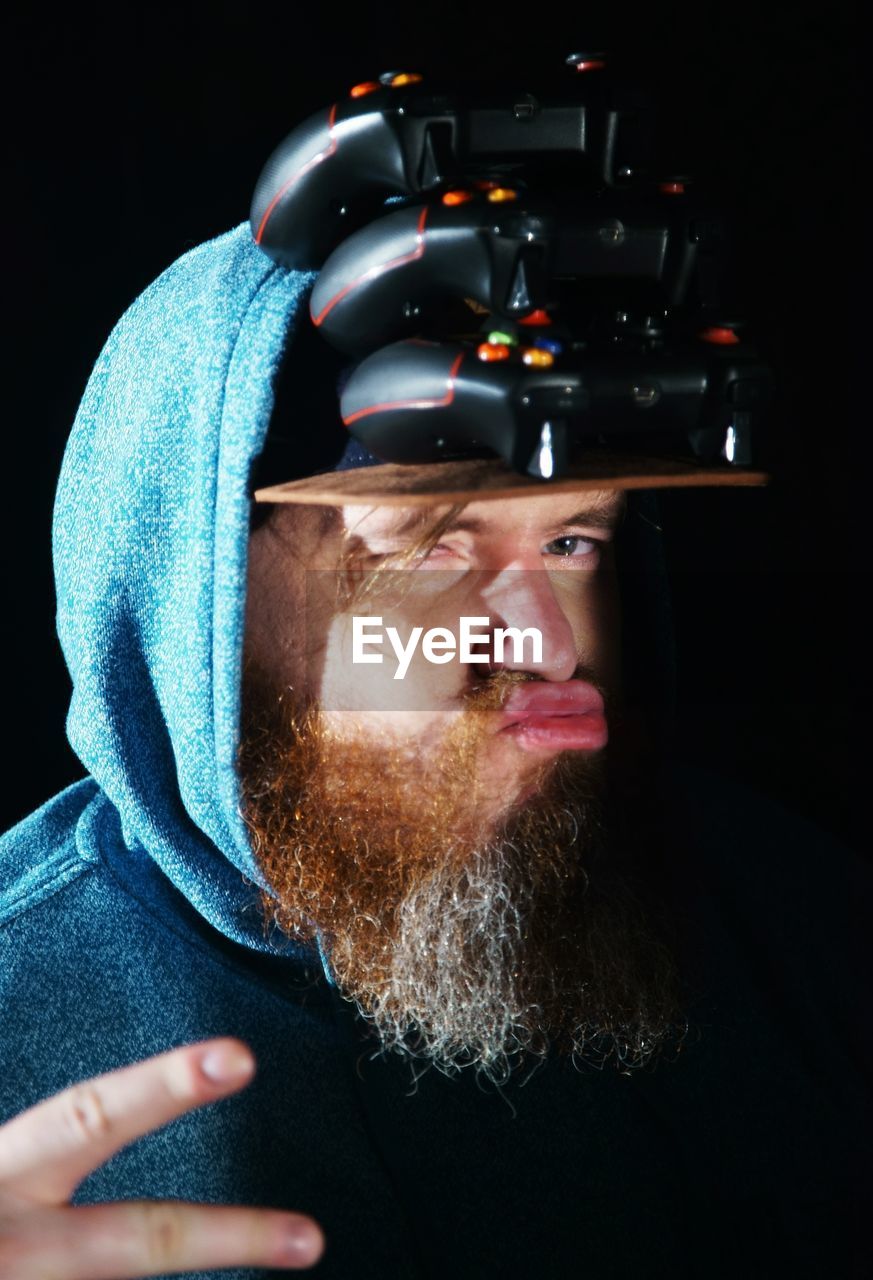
{"points": [[530, 399], [393, 276], [396, 137], [600, 288]]}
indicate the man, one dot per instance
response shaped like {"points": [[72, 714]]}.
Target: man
{"points": [[524, 998]]}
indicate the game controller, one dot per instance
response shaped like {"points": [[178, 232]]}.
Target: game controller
{"points": [[394, 276], [531, 401], [596, 289], [395, 137]]}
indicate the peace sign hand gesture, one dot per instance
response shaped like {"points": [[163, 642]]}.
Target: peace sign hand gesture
{"points": [[46, 1151]]}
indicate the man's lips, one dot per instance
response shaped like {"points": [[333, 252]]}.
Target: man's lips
{"points": [[555, 717]]}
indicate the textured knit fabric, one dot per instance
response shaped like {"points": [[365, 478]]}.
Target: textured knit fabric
{"points": [[151, 515], [129, 920]]}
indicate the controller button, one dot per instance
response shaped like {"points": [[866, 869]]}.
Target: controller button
{"points": [[367, 86], [537, 317], [493, 351], [499, 336], [549, 344], [500, 195], [645, 395], [672, 188], [586, 61], [719, 334], [485, 184], [397, 79], [457, 197], [537, 358]]}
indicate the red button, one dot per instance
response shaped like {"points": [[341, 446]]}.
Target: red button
{"points": [[537, 317], [457, 197], [718, 334], [672, 188], [368, 86]]}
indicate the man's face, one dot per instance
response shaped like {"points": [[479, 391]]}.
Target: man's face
{"points": [[437, 820], [535, 564]]}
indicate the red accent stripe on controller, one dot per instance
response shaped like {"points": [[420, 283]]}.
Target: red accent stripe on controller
{"points": [[413, 404], [310, 164], [379, 270]]}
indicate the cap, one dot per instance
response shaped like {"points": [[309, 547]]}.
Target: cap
{"points": [[468, 479]]}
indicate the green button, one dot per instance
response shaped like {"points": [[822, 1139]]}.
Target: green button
{"points": [[509, 339]]}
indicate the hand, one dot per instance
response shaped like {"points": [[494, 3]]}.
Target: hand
{"points": [[45, 1153]]}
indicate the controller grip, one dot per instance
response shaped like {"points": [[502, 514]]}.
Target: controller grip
{"points": [[299, 210], [415, 400], [386, 277]]}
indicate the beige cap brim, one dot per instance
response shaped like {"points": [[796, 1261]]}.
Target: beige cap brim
{"points": [[479, 479]]}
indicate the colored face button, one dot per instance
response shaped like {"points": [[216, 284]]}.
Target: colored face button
{"points": [[537, 358], [368, 86], [457, 197], [500, 338], [537, 317], [396, 79], [493, 351], [549, 344], [501, 195], [719, 334]]}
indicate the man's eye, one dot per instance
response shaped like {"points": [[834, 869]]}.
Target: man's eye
{"points": [[572, 545], [438, 551]]}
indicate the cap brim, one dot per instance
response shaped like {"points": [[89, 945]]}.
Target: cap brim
{"points": [[480, 479]]}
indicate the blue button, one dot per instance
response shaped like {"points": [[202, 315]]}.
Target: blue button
{"points": [[549, 344]]}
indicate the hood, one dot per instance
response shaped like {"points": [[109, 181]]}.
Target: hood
{"points": [[150, 539], [150, 536]]}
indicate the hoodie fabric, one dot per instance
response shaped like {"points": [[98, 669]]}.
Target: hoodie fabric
{"points": [[129, 917]]}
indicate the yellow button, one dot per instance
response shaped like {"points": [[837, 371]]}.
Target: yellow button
{"points": [[406, 77], [499, 195], [537, 358]]}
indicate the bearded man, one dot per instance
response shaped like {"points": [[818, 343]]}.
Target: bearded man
{"points": [[444, 824], [526, 995]]}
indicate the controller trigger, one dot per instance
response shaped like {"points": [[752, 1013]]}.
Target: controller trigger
{"points": [[550, 455], [436, 158], [527, 280], [737, 447]]}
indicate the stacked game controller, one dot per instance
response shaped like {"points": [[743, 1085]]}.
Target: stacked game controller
{"points": [[510, 278]]}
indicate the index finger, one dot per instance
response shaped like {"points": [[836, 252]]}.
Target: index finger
{"points": [[46, 1151]]}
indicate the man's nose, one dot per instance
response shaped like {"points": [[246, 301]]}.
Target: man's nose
{"points": [[523, 599]]}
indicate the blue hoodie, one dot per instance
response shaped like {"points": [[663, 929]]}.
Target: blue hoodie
{"points": [[129, 917]]}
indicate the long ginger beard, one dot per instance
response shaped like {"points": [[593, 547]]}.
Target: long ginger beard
{"points": [[463, 941]]}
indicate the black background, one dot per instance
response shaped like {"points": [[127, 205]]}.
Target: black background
{"points": [[137, 133]]}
